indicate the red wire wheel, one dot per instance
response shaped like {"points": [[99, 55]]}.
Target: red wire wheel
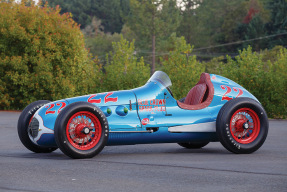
{"points": [[245, 126], [242, 125], [84, 130], [81, 130]]}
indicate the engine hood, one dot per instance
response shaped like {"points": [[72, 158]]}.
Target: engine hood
{"points": [[50, 111], [107, 98], [116, 101]]}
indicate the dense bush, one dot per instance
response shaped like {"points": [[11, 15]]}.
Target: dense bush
{"points": [[42, 56], [263, 74]]}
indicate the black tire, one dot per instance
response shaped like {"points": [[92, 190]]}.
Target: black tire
{"points": [[23, 123], [67, 136], [242, 125], [193, 145]]}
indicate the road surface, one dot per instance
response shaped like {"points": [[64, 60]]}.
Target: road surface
{"points": [[146, 168]]}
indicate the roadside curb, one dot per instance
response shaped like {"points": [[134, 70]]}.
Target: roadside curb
{"points": [[11, 111]]}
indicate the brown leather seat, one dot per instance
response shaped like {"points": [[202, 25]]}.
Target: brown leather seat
{"points": [[200, 96], [196, 94]]}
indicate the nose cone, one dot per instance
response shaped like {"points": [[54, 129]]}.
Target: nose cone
{"points": [[39, 134], [33, 128]]}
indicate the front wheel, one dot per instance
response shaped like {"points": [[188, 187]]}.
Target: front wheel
{"points": [[242, 125], [81, 130]]}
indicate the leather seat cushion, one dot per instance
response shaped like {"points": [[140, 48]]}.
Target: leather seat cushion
{"points": [[196, 94]]}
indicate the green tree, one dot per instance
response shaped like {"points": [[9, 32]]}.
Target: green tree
{"points": [[221, 22], [109, 12], [98, 42], [182, 67], [42, 56], [78, 8], [278, 23], [252, 26], [253, 31], [153, 21], [209, 18], [124, 70], [188, 25]]}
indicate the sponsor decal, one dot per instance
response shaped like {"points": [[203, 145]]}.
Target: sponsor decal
{"points": [[145, 121], [152, 105]]}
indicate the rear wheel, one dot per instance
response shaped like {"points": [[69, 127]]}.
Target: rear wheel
{"points": [[242, 125], [193, 145], [23, 124], [81, 130]]}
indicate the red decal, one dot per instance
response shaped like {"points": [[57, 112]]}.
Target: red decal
{"points": [[238, 90], [91, 100], [213, 77], [48, 110], [62, 104], [115, 99], [50, 107], [152, 105], [145, 108], [228, 90], [140, 102], [143, 102], [145, 121]]}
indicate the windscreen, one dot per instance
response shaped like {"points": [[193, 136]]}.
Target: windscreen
{"points": [[161, 77]]}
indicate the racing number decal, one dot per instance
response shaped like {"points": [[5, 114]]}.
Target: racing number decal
{"points": [[106, 99], [115, 99], [228, 90], [240, 92], [62, 104], [51, 106], [91, 100]]}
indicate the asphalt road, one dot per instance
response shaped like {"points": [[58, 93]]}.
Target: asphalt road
{"points": [[147, 168]]}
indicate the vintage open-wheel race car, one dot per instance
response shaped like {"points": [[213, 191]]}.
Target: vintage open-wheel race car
{"points": [[215, 109]]}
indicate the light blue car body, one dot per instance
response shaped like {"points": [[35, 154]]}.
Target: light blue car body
{"points": [[148, 114]]}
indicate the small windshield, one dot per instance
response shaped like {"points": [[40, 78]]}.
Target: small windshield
{"points": [[161, 77]]}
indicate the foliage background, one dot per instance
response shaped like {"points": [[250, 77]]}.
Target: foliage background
{"points": [[263, 74], [45, 54], [42, 55]]}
